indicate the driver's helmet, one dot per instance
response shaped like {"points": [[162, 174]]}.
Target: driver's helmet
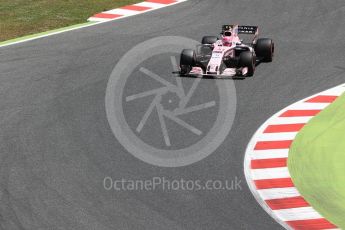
{"points": [[226, 41]]}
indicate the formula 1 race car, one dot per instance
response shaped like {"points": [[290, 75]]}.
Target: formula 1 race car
{"points": [[229, 56]]}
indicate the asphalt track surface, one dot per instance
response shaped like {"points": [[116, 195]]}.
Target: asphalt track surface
{"points": [[56, 145]]}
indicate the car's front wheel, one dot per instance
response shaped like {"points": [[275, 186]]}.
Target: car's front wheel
{"points": [[187, 60], [247, 59]]}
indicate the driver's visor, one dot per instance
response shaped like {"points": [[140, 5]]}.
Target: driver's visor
{"points": [[227, 33]]}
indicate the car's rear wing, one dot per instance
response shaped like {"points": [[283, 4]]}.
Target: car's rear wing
{"points": [[251, 30], [247, 29]]}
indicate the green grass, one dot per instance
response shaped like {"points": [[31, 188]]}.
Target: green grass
{"points": [[19, 18], [317, 162]]}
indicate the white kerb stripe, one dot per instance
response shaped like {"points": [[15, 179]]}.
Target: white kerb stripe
{"points": [[291, 214], [268, 154], [123, 12], [270, 173], [94, 19], [151, 5], [289, 120], [308, 106], [277, 136], [278, 193]]}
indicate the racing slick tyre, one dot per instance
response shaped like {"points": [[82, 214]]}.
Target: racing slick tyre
{"points": [[247, 59], [187, 61], [265, 49], [209, 40]]}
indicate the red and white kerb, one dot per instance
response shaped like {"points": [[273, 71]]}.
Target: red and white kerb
{"points": [[131, 10], [266, 168]]}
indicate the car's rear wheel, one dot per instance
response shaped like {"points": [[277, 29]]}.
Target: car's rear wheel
{"points": [[209, 40], [187, 60], [247, 59], [264, 48]]}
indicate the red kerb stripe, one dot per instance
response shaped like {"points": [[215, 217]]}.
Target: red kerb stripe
{"points": [[283, 128], [300, 113], [285, 203], [105, 15], [322, 99], [313, 224], [274, 183], [265, 145], [269, 163], [136, 8], [162, 1]]}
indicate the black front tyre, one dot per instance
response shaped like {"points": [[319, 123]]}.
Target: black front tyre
{"points": [[187, 60], [264, 48], [247, 59], [209, 40]]}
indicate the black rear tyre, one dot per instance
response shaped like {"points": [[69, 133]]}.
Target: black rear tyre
{"points": [[265, 49], [209, 40], [247, 59], [187, 60]]}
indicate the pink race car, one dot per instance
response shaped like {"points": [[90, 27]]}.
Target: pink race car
{"points": [[228, 56]]}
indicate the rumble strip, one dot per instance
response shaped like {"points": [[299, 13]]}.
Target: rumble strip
{"points": [[266, 168]]}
